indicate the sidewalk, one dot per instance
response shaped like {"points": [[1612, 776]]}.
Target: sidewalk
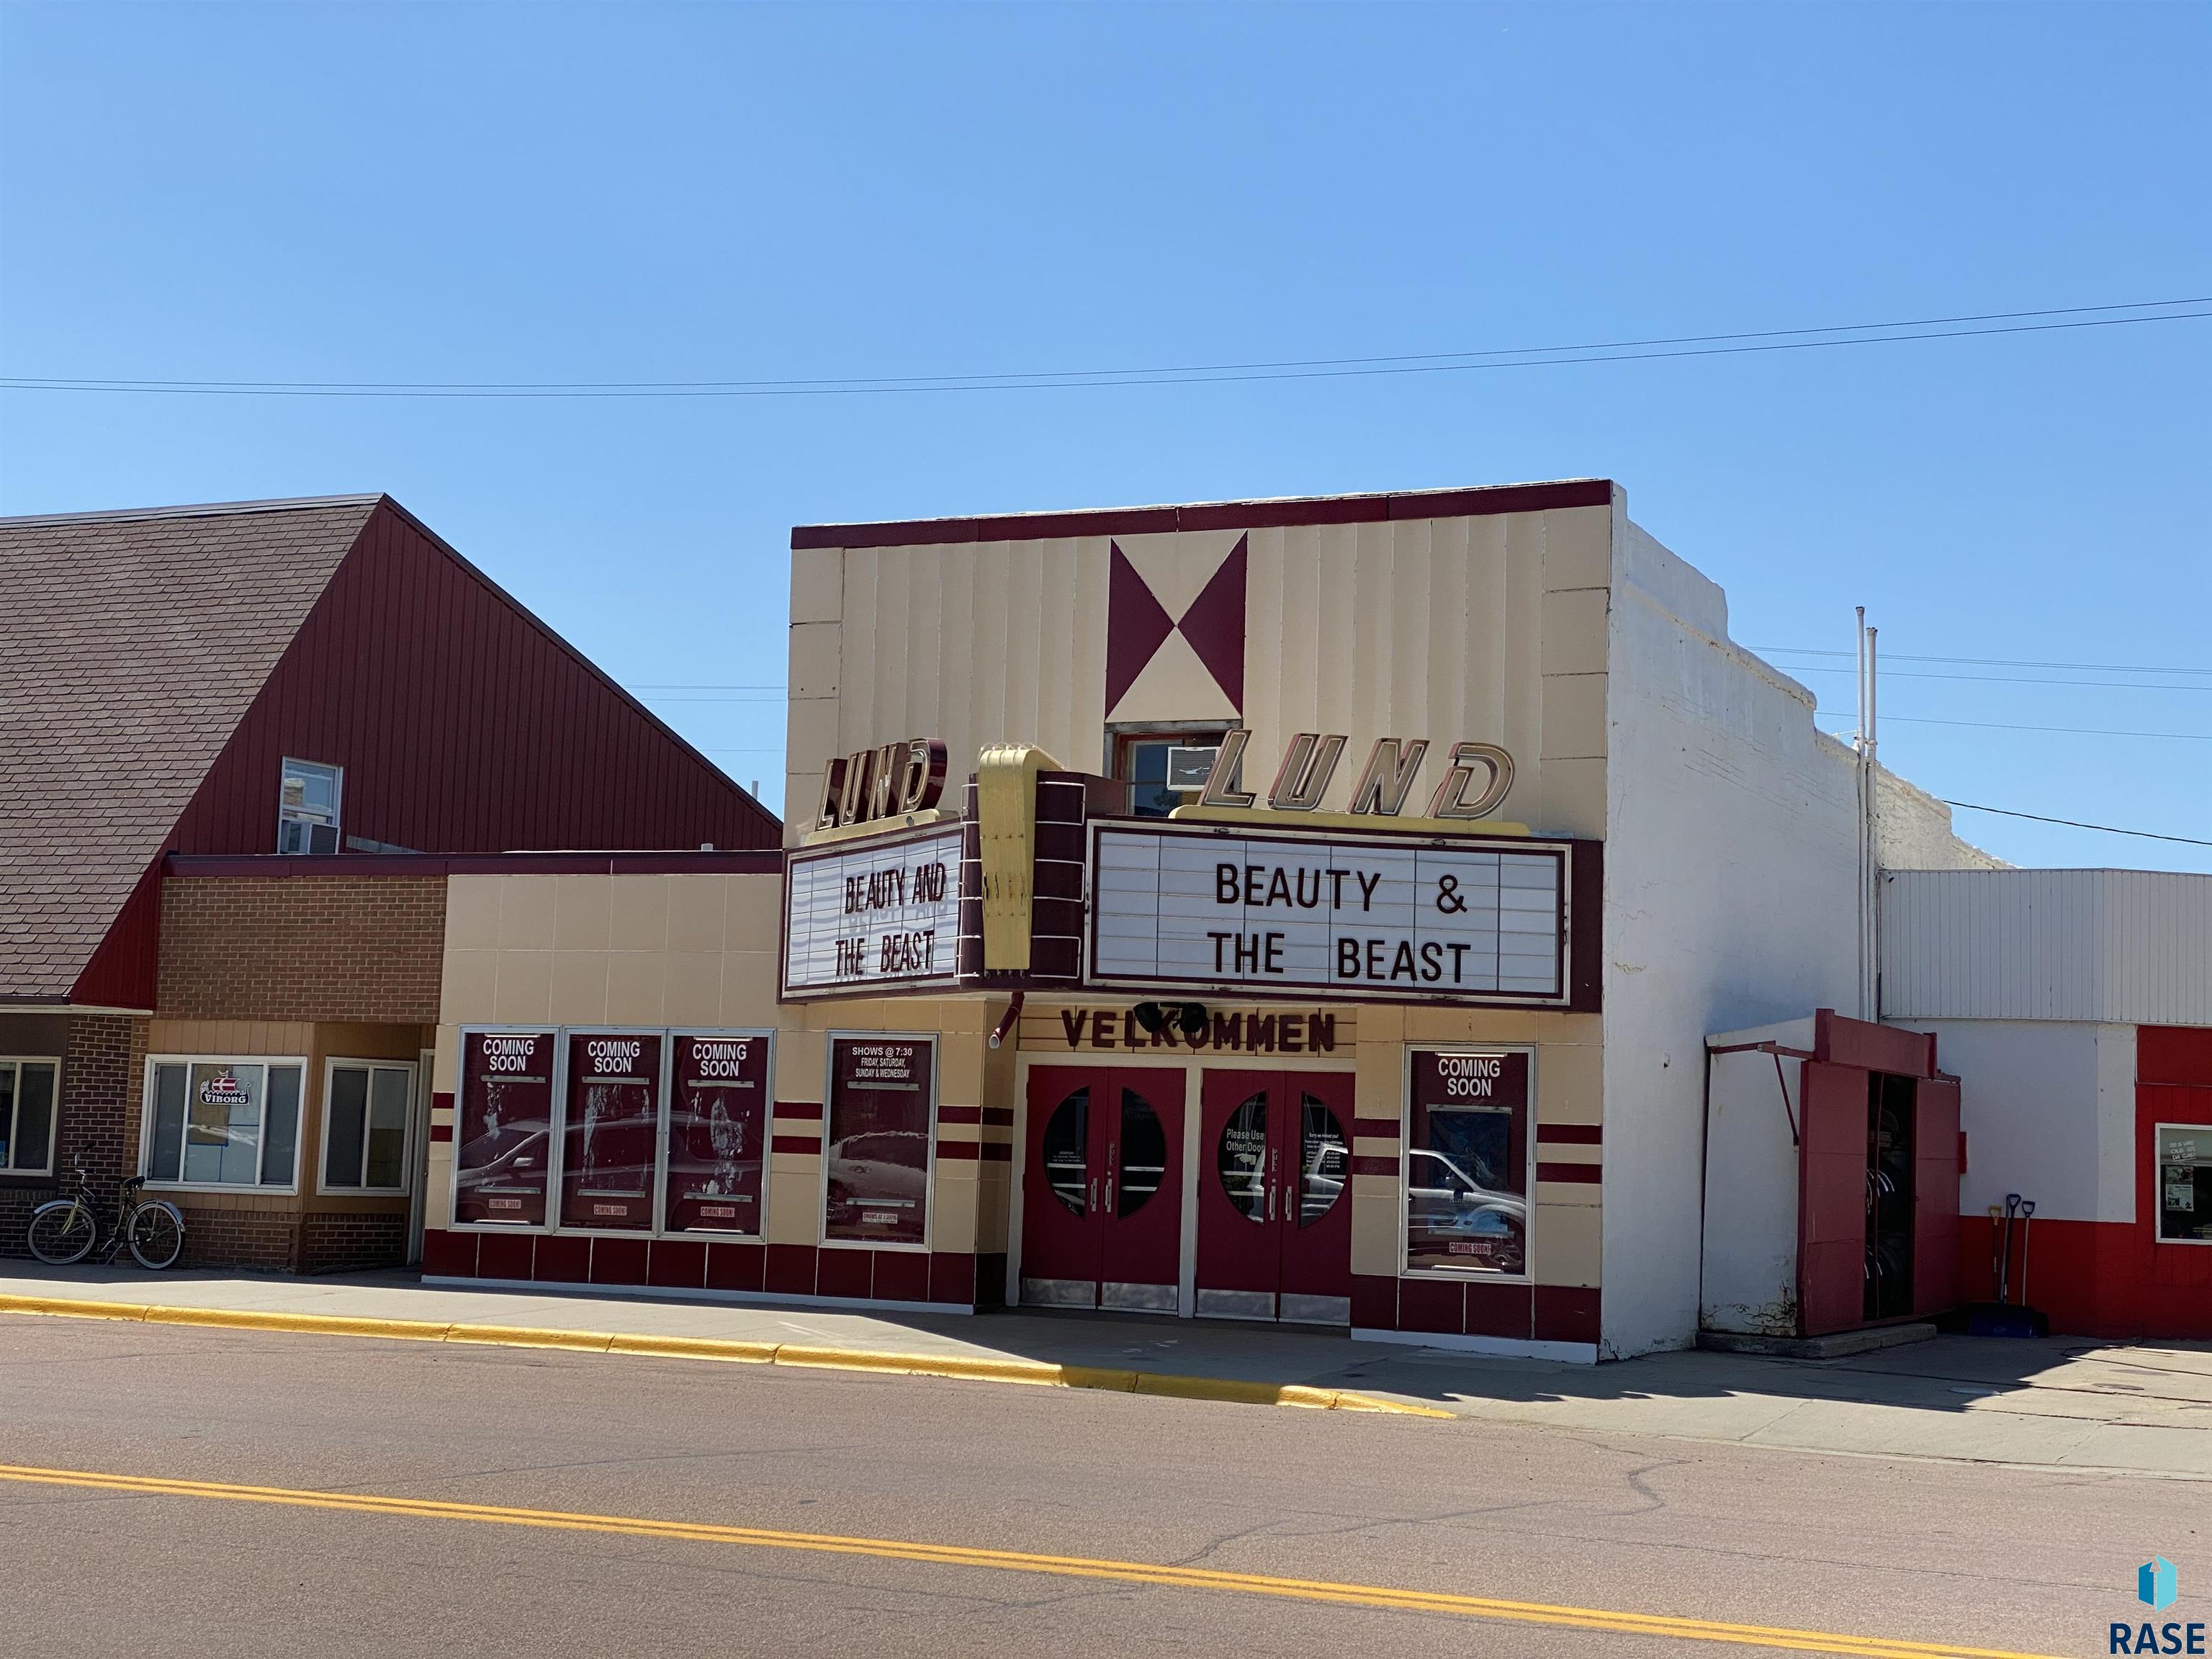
{"points": [[2065, 1402]]}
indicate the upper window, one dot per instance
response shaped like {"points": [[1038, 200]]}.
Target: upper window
{"points": [[307, 807], [2185, 1183], [27, 1116], [223, 1122], [1168, 768], [365, 1119]]}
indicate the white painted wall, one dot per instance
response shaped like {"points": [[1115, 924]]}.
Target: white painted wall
{"points": [[2049, 1109], [1750, 1264], [1912, 830], [1731, 862]]}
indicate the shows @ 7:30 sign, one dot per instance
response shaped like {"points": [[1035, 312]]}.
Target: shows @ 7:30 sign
{"points": [[1381, 915]]}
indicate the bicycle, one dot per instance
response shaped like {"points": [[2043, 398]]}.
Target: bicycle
{"points": [[64, 1229]]}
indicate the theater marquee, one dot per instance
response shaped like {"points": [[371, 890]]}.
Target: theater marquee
{"points": [[1367, 916], [872, 915]]}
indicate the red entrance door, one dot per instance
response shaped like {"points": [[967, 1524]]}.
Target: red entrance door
{"points": [[1274, 1204], [1102, 1199]]}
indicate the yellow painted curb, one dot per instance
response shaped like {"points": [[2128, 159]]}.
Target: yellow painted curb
{"points": [[957, 1367]]}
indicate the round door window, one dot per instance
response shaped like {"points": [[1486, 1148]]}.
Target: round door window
{"points": [[1241, 1159], [1324, 1160], [1064, 1151], [1144, 1159]]}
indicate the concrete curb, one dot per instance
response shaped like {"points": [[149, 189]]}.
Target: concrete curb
{"points": [[1039, 1373]]}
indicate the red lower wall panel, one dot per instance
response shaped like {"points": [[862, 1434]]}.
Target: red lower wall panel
{"points": [[619, 1261], [845, 1273], [679, 1264], [1500, 1311], [1374, 1302], [2096, 1278], [901, 1276], [506, 1256], [451, 1255], [1566, 1313]]}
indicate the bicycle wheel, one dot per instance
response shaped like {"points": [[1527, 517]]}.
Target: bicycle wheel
{"points": [[156, 1234], [62, 1233]]}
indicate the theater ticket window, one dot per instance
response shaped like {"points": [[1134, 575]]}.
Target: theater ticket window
{"points": [[2185, 1183], [609, 1131], [223, 1122], [1467, 1162], [877, 1170], [717, 1133], [503, 1132]]}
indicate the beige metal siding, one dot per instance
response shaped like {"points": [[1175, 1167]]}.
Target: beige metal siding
{"points": [[1490, 628]]}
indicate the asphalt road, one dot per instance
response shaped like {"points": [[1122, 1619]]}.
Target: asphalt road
{"points": [[1981, 1557]]}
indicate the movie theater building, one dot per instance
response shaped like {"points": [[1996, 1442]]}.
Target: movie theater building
{"points": [[1308, 909]]}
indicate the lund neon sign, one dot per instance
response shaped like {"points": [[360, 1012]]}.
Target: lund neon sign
{"points": [[1385, 782]]}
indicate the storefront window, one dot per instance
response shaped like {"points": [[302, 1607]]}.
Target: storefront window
{"points": [[612, 1121], [365, 1127], [880, 1090], [1466, 1162], [27, 1115], [717, 1134], [2185, 1183], [503, 1136], [224, 1123]]}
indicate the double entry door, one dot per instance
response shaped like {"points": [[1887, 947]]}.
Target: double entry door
{"points": [[1102, 1204], [1275, 1204]]}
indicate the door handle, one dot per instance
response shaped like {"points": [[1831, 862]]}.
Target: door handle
{"points": [[1094, 1191], [1109, 1192], [1271, 1200]]}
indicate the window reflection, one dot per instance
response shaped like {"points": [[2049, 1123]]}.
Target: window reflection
{"points": [[1065, 1151], [1241, 1157], [1144, 1154], [1324, 1160]]}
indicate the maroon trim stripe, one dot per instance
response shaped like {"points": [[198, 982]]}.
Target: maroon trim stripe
{"points": [[1362, 1164], [808, 1143], [967, 1150], [998, 1151], [1001, 1117], [1570, 1134], [1211, 516], [960, 1115], [1385, 1128], [1588, 1174], [799, 1111], [441, 1132]]}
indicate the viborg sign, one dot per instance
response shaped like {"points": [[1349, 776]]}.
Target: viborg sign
{"points": [[1390, 917]]}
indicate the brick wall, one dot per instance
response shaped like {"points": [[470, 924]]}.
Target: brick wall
{"points": [[355, 948], [266, 1239], [98, 1121], [342, 1243]]}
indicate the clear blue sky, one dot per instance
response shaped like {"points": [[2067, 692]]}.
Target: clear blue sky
{"points": [[511, 193]]}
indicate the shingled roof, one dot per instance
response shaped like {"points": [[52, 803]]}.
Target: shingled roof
{"points": [[137, 642]]}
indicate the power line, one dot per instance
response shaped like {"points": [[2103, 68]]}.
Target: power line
{"points": [[1990, 662], [1291, 369], [2001, 680], [1992, 726], [2076, 824]]}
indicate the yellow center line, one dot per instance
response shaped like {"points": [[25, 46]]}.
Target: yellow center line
{"points": [[1064, 1567]]}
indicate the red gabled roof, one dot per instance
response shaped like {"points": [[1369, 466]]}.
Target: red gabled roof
{"points": [[140, 640]]}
